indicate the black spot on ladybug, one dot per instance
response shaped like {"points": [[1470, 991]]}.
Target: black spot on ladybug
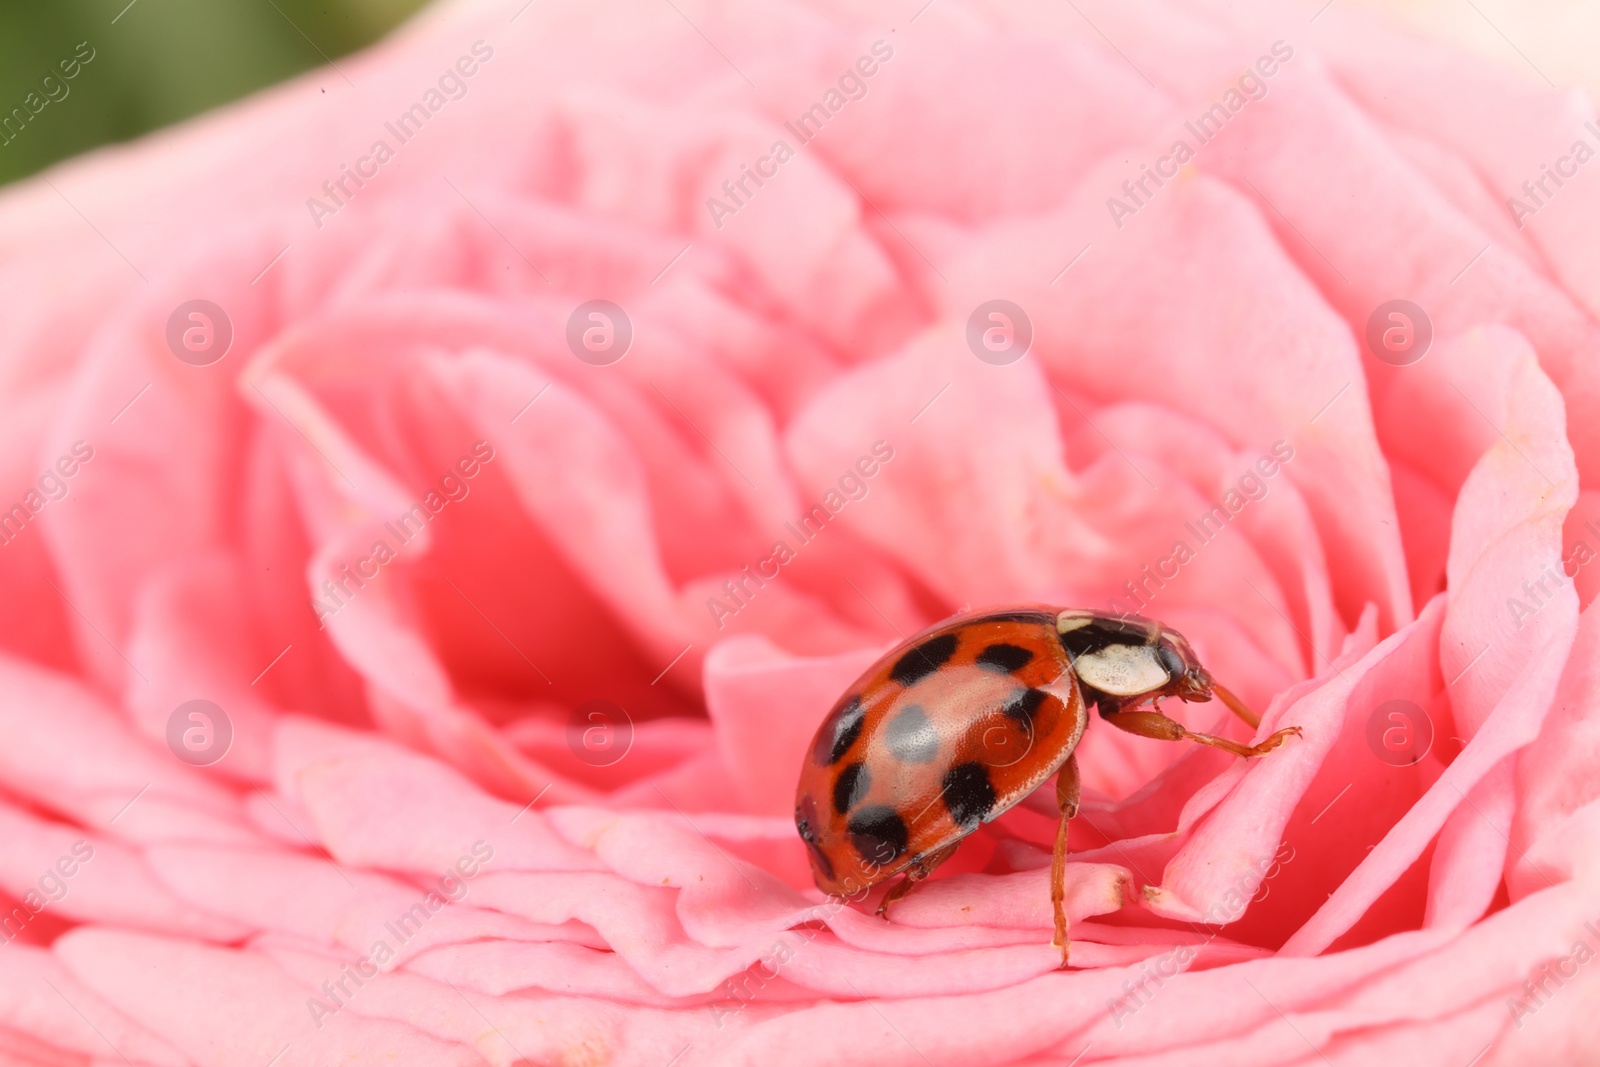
{"points": [[805, 813], [878, 834], [1004, 658], [805, 816], [911, 735], [846, 721], [923, 660], [1021, 707], [968, 794], [851, 787]]}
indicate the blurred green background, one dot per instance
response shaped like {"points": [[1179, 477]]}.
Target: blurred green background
{"points": [[160, 61]]}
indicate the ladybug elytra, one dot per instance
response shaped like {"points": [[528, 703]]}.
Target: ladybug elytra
{"points": [[956, 725]]}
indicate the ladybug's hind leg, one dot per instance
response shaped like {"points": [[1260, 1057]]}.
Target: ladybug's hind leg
{"points": [[920, 869], [1067, 801]]}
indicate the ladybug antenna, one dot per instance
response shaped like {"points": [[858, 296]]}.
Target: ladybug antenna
{"points": [[1235, 705]]}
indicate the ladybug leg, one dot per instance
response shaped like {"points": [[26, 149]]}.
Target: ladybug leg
{"points": [[1156, 725], [1067, 801], [896, 891], [914, 874]]}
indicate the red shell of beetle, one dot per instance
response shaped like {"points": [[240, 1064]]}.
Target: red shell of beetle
{"points": [[942, 734]]}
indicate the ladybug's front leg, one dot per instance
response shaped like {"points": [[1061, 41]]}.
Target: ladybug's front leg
{"points": [[1156, 725], [1067, 801]]}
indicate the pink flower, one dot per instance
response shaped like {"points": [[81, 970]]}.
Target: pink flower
{"points": [[447, 492]]}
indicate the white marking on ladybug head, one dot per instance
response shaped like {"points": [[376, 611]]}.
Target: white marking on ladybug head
{"points": [[1069, 621], [1122, 670]]}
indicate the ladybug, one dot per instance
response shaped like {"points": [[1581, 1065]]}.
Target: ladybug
{"points": [[958, 724]]}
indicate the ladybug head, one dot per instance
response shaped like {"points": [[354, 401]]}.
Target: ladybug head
{"points": [[1124, 661], [1186, 679], [1190, 681]]}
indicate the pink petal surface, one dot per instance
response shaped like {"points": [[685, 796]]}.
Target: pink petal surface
{"points": [[253, 1004]]}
